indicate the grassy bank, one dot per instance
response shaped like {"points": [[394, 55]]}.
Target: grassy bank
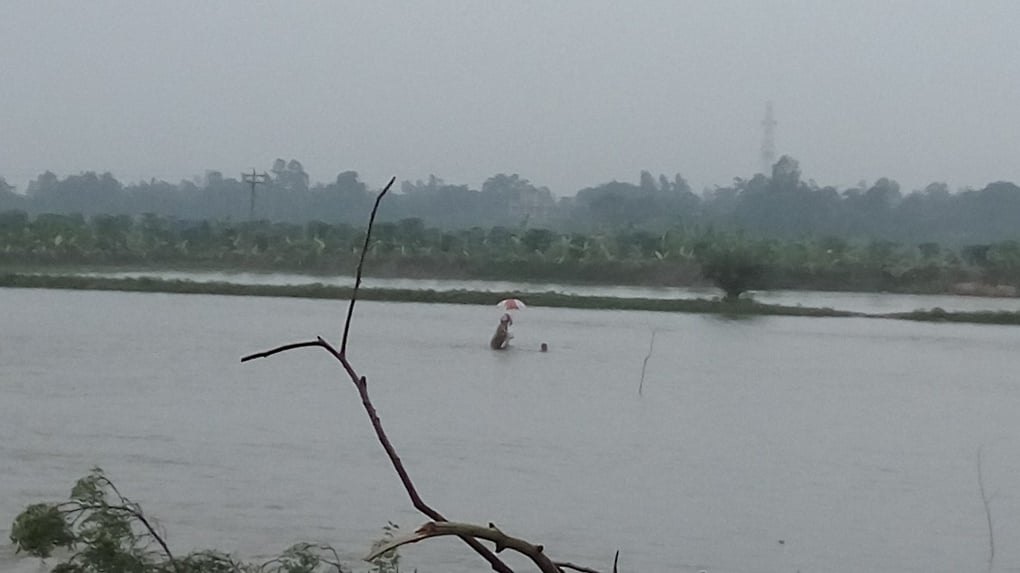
{"points": [[321, 291], [541, 299]]}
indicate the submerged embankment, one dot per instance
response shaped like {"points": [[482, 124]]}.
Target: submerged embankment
{"points": [[474, 297]]}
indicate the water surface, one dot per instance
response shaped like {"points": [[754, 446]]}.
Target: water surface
{"points": [[851, 440]]}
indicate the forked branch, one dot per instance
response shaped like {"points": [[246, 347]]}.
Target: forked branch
{"points": [[361, 383], [490, 533]]}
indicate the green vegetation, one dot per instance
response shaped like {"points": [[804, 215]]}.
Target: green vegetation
{"points": [[974, 317], [388, 562], [776, 205], [770, 231], [98, 530], [733, 265], [407, 248]]}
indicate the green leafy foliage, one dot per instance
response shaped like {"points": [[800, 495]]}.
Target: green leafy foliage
{"points": [[409, 248], [40, 529], [105, 532], [91, 488], [303, 558], [777, 203]]}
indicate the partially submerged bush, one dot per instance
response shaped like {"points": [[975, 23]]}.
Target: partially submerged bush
{"points": [[733, 264]]}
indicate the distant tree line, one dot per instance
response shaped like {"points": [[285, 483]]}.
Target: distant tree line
{"points": [[778, 205]]}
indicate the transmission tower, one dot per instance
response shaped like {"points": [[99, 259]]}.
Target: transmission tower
{"points": [[768, 140], [254, 179]]}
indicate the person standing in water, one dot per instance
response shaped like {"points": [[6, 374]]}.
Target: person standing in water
{"points": [[501, 339]]}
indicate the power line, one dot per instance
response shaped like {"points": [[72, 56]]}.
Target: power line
{"points": [[254, 179]]}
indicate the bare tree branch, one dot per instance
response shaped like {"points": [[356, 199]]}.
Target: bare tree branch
{"points": [[361, 383], [284, 348], [490, 533], [361, 263]]}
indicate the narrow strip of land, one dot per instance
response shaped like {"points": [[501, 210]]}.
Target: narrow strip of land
{"points": [[546, 299]]}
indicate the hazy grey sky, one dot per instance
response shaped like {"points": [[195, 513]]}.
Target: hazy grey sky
{"points": [[567, 93]]}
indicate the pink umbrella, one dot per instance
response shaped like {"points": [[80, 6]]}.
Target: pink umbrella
{"points": [[511, 304]]}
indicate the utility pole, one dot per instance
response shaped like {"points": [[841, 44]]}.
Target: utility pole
{"points": [[768, 141], [254, 179]]}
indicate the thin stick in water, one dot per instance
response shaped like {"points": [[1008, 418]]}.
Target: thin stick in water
{"points": [[644, 365], [986, 501]]}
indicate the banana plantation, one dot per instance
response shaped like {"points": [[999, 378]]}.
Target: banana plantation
{"points": [[685, 256]]}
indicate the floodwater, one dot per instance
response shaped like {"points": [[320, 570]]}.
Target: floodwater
{"points": [[768, 444]]}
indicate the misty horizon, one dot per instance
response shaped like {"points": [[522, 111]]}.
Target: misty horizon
{"points": [[567, 95], [201, 179]]}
